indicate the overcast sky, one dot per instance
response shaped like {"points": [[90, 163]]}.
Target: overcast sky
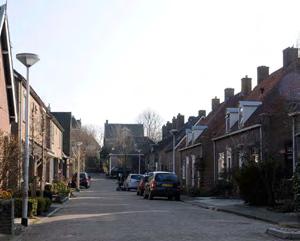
{"points": [[107, 59]]}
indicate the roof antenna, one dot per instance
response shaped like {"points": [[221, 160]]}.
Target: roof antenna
{"points": [[298, 44]]}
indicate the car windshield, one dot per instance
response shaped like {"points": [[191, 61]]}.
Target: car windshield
{"points": [[136, 177], [82, 175], [166, 177]]}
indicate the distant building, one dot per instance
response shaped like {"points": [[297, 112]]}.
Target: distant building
{"points": [[127, 146], [113, 131]]}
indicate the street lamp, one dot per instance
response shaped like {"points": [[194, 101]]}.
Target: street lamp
{"points": [[78, 165], [139, 151], [28, 60], [173, 132]]}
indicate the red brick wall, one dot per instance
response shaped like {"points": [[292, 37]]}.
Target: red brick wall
{"points": [[4, 112]]}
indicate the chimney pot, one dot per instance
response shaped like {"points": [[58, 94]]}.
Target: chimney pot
{"points": [[201, 113], [289, 56], [228, 93], [246, 85], [262, 73], [215, 102]]}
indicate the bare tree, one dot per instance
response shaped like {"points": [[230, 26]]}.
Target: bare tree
{"points": [[10, 155], [90, 149], [152, 122]]}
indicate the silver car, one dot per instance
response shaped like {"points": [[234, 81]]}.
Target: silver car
{"points": [[132, 181]]}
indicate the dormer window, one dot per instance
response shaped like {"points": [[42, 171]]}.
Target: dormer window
{"points": [[246, 109], [231, 118], [194, 133]]}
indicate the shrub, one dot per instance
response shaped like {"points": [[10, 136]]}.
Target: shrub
{"points": [[257, 182], [48, 203], [41, 205], [32, 207], [61, 188], [5, 194], [296, 187]]}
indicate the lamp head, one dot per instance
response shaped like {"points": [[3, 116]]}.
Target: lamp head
{"points": [[28, 59]]}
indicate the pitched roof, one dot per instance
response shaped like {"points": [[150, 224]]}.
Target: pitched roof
{"points": [[7, 61], [111, 130], [168, 142]]}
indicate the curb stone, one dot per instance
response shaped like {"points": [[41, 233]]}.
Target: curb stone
{"points": [[284, 233]]}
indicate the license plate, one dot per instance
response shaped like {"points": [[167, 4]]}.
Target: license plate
{"points": [[167, 185]]}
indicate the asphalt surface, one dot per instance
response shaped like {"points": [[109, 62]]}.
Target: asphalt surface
{"points": [[101, 213]]}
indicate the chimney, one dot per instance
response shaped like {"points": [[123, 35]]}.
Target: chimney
{"points": [[246, 85], [228, 93], [164, 131], [215, 102], [262, 73], [201, 113], [174, 121], [289, 56], [168, 127], [180, 121]]}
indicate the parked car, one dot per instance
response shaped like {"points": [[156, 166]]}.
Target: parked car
{"points": [[162, 184], [141, 186], [132, 181], [85, 180]]}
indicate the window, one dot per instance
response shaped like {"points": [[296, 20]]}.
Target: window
{"points": [[241, 158], [183, 169], [193, 170], [228, 159], [221, 164]]}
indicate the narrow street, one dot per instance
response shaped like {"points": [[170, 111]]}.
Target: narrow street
{"points": [[103, 214]]}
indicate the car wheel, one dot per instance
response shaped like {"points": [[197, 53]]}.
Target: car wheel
{"points": [[177, 197], [150, 196], [170, 197]]}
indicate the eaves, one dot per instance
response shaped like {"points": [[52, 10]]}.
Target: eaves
{"points": [[237, 132]]}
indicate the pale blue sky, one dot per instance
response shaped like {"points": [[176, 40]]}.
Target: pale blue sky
{"points": [[113, 59]]}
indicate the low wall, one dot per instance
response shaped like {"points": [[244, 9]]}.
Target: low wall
{"points": [[7, 216]]}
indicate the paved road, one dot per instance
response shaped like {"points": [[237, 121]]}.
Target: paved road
{"points": [[103, 214]]}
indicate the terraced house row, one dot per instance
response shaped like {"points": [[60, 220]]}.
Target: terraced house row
{"points": [[255, 124], [50, 132]]}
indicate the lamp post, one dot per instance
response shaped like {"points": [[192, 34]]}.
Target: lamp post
{"points": [[173, 132], [28, 60], [139, 151], [78, 165]]}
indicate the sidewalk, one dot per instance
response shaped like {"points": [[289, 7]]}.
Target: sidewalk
{"points": [[19, 229], [237, 206]]}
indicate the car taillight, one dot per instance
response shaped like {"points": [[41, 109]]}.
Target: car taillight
{"points": [[153, 185]]}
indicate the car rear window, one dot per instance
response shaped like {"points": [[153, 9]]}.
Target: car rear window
{"points": [[136, 177], [166, 177]]}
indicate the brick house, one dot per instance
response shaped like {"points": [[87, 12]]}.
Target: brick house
{"points": [[45, 135], [164, 149], [127, 145], [8, 113], [261, 128], [71, 128], [251, 124]]}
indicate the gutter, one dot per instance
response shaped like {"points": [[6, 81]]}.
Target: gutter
{"points": [[190, 147], [237, 132]]}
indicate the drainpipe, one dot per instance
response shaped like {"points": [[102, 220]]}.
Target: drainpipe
{"points": [[261, 143], [294, 146], [214, 151]]}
